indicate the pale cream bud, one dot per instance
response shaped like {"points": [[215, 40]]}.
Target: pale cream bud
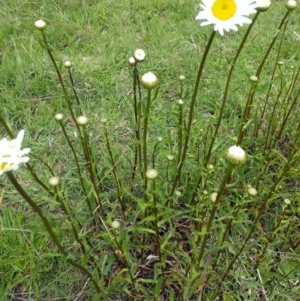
{"points": [[151, 174], [149, 80], [67, 64], [291, 4], [115, 224], [254, 78], [132, 61], [236, 155], [82, 120], [252, 191], [180, 102], [139, 55], [53, 181], [177, 193], [59, 117], [40, 24], [213, 196], [263, 5]]}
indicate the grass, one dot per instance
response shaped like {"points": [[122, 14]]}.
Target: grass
{"points": [[99, 37]]}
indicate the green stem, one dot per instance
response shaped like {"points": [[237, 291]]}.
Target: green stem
{"points": [[74, 90], [214, 209], [179, 134], [145, 146], [49, 229], [115, 173], [191, 112], [92, 173], [227, 88]]}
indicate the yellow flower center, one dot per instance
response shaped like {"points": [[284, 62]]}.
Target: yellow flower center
{"points": [[224, 9], [3, 165]]}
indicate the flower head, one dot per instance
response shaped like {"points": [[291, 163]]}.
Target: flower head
{"points": [[213, 196], [68, 64], [149, 80], [40, 24], [139, 55], [151, 174], [263, 5], [226, 14], [132, 61], [236, 155], [53, 181], [115, 224], [170, 157], [254, 78], [252, 191], [59, 116], [291, 4], [180, 102], [11, 155], [82, 120]]}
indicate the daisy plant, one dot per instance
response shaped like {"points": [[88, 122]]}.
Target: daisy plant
{"points": [[184, 205]]}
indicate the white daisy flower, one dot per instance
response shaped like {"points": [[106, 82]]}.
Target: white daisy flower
{"points": [[226, 14], [11, 155]]}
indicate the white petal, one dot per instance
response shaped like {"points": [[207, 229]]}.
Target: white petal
{"points": [[20, 137]]}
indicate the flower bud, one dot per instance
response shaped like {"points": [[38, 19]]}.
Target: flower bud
{"points": [[263, 5], [67, 64], [132, 61], [59, 117], [180, 102], [177, 193], [170, 157], [115, 224], [149, 80], [287, 201], [254, 78], [82, 120], [139, 55], [236, 155], [213, 196], [151, 174], [252, 191], [40, 24], [53, 181], [291, 5]]}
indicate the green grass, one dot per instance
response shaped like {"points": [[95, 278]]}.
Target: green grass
{"points": [[99, 37]]}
